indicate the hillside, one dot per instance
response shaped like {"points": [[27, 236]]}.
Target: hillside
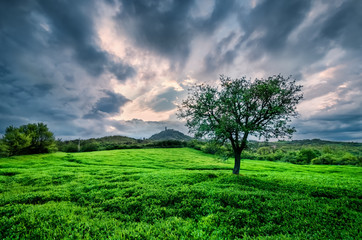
{"points": [[170, 134], [95, 144]]}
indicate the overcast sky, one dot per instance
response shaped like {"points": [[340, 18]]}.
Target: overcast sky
{"points": [[96, 68]]}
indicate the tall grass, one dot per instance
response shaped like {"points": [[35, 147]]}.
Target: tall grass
{"points": [[174, 194]]}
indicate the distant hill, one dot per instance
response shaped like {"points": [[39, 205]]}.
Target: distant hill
{"points": [[116, 139], [170, 134]]}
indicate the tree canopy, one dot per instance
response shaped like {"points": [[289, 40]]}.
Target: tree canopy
{"points": [[239, 108], [28, 139]]}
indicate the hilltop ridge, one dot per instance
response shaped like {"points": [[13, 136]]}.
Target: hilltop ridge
{"points": [[170, 134]]}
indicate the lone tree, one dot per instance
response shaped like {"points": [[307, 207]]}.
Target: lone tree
{"points": [[241, 107]]}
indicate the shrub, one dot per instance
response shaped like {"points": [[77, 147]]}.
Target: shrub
{"points": [[170, 144], [210, 148], [89, 147], [195, 144], [264, 150], [16, 141], [290, 157], [70, 147], [4, 150], [276, 156], [347, 159], [223, 151], [324, 159], [305, 156], [249, 155]]}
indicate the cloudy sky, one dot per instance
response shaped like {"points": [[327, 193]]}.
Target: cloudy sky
{"points": [[91, 68]]}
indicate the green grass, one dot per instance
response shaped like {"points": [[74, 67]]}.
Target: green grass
{"points": [[175, 194]]}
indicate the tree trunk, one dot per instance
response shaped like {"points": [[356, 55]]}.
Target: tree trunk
{"points": [[237, 162]]}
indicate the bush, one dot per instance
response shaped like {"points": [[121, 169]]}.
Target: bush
{"points": [[324, 159], [195, 144], [89, 147], [168, 144], [4, 150], [347, 159], [69, 147], [223, 151], [264, 151], [249, 155], [276, 156], [290, 157], [210, 148], [305, 156]]}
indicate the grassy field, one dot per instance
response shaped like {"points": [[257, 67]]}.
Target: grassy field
{"points": [[175, 194]]}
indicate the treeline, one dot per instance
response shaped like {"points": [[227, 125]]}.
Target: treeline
{"points": [[296, 152], [27, 139], [115, 142]]}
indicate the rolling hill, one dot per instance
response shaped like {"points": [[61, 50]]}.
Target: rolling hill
{"points": [[170, 134]]}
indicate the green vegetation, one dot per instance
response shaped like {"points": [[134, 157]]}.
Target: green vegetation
{"points": [[240, 108], [27, 139], [175, 194], [115, 142], [98, 144], [301, 152]]}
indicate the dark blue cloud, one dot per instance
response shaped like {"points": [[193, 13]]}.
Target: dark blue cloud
{"points": [[49, 58], [223, 54], [274, 20], [41, 27], [74, 27], [110, 104], [165, 100], [344, 25], [162, 26], [168, 27], [121, 71]]}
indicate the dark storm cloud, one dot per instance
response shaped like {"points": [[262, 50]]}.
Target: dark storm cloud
{"points": [[168, 27], [343, 128], [107, 105], [268, 27], [276, 20], [121, 71], [44, 47], [74, 27], [223, 54], [36, 28], [344, 25], [165, 100], [111, 103], [264, 31], [340, 121], [163, 26]]}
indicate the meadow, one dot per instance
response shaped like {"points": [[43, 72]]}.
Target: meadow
{"points": [[177, 193]]}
